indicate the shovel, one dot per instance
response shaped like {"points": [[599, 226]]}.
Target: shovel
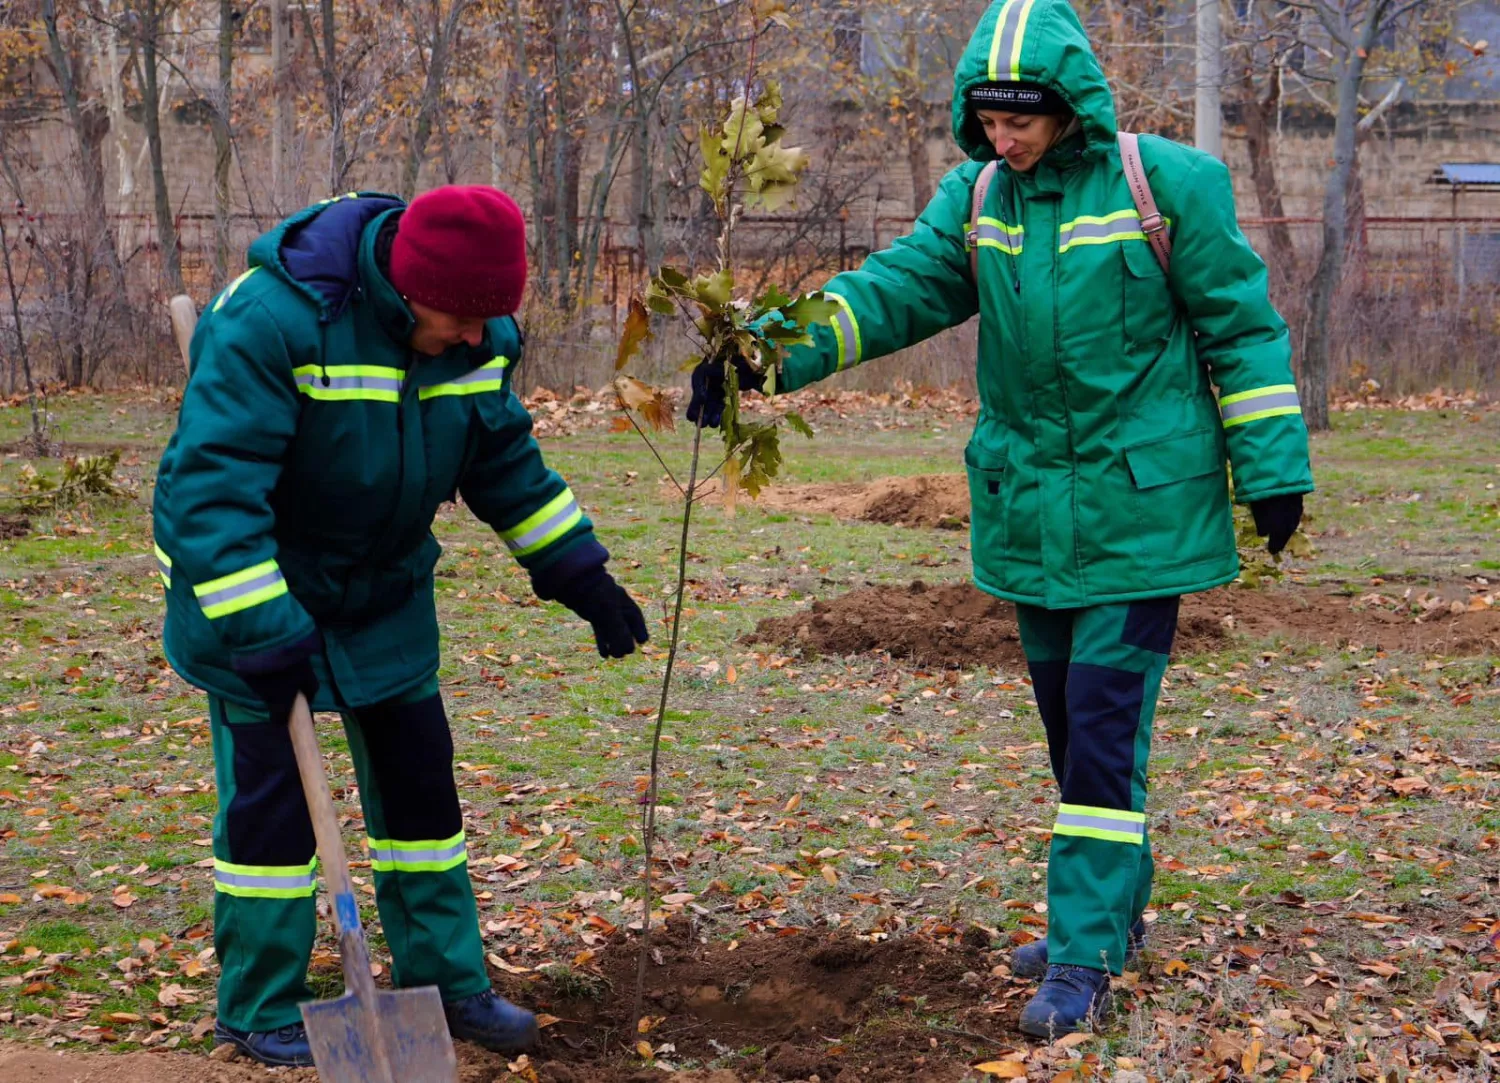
{"points": [[366, 1035]]}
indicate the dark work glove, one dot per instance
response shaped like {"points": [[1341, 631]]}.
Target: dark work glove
{"points": [[708, 389], [277, 676], [618, 622], [1277, 519]]}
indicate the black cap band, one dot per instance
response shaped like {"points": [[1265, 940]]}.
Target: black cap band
{"points": [[1017, 98]]}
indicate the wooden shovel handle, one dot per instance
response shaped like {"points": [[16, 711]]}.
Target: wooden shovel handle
{"points": [[356, 956]]}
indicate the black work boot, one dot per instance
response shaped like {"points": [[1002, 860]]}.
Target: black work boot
{"points": [[490, 1020], [1030, 960], [1071, 998], [284, 1047]]}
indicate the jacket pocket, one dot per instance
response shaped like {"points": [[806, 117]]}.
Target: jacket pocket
{"points": [[987, 502], [1181, 497], [1149, 308]]}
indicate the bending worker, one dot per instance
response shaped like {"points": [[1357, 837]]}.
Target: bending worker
{"points": [[355, 378], [1097, 465]]}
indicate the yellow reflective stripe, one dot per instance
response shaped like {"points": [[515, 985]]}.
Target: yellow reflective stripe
{"points": [[489, 376], [229, 290], [846, 331], [265, 881], [558, 516], [1260, 415], [344, 383], [986, 220], [1274, 389], [242, 590], [423, 855], [1015, 54], [1097, 220], [1109, 824], [163, 566]]}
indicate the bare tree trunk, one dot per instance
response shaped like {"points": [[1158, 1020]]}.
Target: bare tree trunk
{"points": [[1261, 147], [223, 148], [443, 32], [333, 95], [38, 434], [1317, 335], [918, 158], [282, 109], [564, 158], [89, 130], [1208, 116], [166, 227]]}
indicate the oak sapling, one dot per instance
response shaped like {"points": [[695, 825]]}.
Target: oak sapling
{"points": [[746, 165]]}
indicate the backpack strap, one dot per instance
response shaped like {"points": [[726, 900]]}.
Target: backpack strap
{"points": [[1153, 225], [981, 190]]}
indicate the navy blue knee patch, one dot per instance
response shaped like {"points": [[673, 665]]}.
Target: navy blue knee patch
{"points": [[1104, 714], [1151, 625], [267, 821], [1049, 683], [411, 756]]}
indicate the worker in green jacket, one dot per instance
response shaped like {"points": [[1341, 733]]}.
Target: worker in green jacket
{"points": [[353, 380], [1097, 465]]}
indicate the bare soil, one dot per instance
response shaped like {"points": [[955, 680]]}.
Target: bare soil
{"points": [[956, 624], [937, 501], [775, 1007]]}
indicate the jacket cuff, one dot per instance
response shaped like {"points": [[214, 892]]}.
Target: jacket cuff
{"points": [[584, 556], [277, 658]]}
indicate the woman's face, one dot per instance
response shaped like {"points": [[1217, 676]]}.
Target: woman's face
{"points": [[1020, 138]]}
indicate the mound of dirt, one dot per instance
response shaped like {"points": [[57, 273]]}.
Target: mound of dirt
{"points": [[937, 501], [956, 624], [14, 526]]}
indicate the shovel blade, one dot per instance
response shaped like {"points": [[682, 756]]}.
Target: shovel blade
{"points": [[407, 1026]]}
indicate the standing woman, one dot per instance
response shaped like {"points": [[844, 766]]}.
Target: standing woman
{"points": [[1097, 466]]}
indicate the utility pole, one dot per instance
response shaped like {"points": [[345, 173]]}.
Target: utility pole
{"points": [[281, 118], [1208, 119]]}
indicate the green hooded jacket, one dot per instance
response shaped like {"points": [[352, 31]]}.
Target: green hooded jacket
{"points": [[312, 451], [1097, 465]]}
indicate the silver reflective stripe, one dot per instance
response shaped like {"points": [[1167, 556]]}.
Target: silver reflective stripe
{"points": [[1095, 231], [240, 879], [1101, 823], [1008, 237], [239, 590], [349, 383], [480, 376], [164, 568], [1259, 403], [540, 531], [849, 336], [1009, 27], [412, 857]]}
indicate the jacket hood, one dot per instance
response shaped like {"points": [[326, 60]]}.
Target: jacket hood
{"points": [[1033, 41], [317, 250]]}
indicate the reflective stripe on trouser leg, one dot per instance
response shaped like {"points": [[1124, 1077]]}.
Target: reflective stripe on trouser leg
{"points": [[264, 910], [403, 754], [1098, 873]]}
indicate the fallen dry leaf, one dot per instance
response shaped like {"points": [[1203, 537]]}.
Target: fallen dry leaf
{"points": [[644, 1049], [831, 875], [10, 900], [1002, 1069], [794, 803]]}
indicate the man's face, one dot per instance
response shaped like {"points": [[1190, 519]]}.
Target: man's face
{"points": [[1020, 138], [438, 331]]}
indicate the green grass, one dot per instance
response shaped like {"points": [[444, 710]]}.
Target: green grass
{"points": [[794, 759]]}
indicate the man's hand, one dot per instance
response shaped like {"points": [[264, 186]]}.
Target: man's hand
{"points": [[618, 622], [1277, 519], [708, 389], [278, 688]]}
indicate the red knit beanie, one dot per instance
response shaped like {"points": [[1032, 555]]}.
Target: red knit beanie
{"points": [[461, 249]]}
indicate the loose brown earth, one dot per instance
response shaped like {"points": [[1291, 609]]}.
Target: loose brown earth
{"points": [[938, 501], [955, 624], [776, 1007]]}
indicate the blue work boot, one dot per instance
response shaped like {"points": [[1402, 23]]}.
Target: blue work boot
{"points": [[284, 1047], [1071, 998], [490, 1020], [1030, 960]]}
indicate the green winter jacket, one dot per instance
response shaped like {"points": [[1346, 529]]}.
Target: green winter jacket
{"points": [[1097, 466], [312, 451]]}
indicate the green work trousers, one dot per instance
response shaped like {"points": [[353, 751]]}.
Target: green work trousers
{"points": [[264, 864], [1096, 673]]}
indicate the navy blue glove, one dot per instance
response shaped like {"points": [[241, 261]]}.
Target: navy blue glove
{"points": [[277, 676], [618, 622], [708, 389], [1277, 519]]}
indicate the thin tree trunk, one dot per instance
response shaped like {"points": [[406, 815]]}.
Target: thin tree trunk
{"points": [[563, 157], [38, 435], [223, 148], [443, 31], [1260, 143], [282, 109], [166, 228], [333, 95], [1317, 337]]}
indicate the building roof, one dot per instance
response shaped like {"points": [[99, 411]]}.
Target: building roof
{"points": [[1469, 174]]}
